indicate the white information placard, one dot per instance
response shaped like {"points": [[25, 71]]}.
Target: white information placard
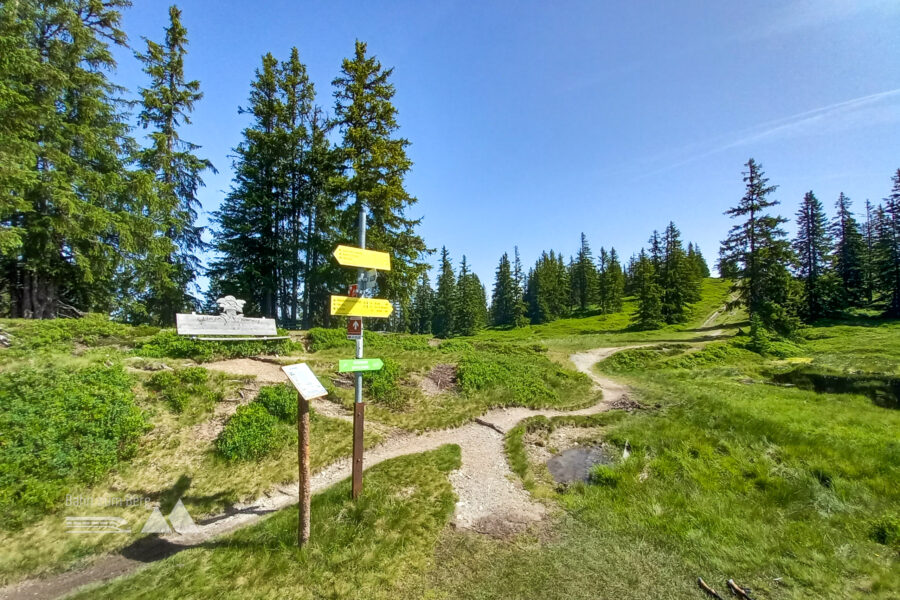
{"points": [[305, 381]]}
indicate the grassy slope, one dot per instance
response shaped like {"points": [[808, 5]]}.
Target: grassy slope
{"points": [[361, 549], [778, 488], [175, 459]]}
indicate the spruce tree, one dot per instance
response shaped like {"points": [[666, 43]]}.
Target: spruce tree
{"points": [[674, 277], [547, 293], [583, 277], [470, 313], [521, 309], [422, 307], [848, 253], [248, 247], [813, 248], [888, 249], [613, 283], [72, 216], [649, 296], [870, 262], [376, 167], [759, 253], [166, 105], [445, 299], [602, 288], [695, 256], [504, 301]]}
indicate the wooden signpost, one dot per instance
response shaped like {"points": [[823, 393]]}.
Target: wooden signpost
{"points": [[308, 387], [351, 306]]}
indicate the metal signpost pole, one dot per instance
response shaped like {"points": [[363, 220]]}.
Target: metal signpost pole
{"points": [[359, 406]]}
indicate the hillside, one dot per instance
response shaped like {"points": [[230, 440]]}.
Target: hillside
{"points": [[741, 466]]}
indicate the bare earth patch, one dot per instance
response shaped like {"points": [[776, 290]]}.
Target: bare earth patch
{"points": [[439, 380]]}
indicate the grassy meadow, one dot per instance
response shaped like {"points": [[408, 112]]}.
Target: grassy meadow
{"points": [[778, 470]]}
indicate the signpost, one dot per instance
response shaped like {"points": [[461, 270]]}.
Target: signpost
{"points": [[308, 387], [354, 328], [350, 306], [361, 307], [353, 365], [348, 256]]}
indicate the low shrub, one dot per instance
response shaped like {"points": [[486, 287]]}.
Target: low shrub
{"points": [[168, 344], [61, 334], [320, 338], [523, 379], [59, 427], [384, 385], [250, 434], [183, 387], [280, 400]]}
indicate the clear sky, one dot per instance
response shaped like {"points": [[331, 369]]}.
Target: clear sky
{"points": [[531, 122]]}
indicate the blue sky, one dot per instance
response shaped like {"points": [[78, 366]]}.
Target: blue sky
{"points": [[531, 122]]}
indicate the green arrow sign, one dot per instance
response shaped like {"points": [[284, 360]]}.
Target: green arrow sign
{"points": [[360, 364]]}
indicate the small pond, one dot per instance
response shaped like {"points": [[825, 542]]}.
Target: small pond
{"points": [[575, 463]]}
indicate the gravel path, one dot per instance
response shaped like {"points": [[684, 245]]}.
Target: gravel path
{"points": [[491, 498]]}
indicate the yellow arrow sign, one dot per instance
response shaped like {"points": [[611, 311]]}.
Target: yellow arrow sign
{"points": [[350, 256], [360, 307]]}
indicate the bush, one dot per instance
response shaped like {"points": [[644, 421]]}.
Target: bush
{"points": [[61, 334], [280, 401], [250, 434], [59, 427], [183, 387], [384, 385], [168, 344], [525, 380], [319, 338]]}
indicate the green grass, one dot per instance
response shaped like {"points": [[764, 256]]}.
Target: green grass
{"points": [[491, 375], [789, 492], [365, 549]]}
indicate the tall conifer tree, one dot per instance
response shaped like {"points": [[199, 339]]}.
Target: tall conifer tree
{"points": [[760, 254], [504, 301], [377, 165], [422, 307], [848, 253], [166, 105], [72, 217], [888, 248], [445, 298], [813, 248], [649, 296], [583, 278]]}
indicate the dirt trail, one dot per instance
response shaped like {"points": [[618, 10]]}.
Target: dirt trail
{"points": [[491, 498]]}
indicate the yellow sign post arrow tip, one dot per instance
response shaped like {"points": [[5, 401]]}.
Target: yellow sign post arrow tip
{"points": [[350, 256], [360, 307]]}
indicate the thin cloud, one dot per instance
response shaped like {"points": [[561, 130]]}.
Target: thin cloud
{"points": [[868, 110]]}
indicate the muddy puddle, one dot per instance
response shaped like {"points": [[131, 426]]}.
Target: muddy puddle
{"points": [[575, 463]]}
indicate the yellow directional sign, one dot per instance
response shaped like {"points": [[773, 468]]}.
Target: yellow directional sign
{"points": [[360, 307], [350, 256]]}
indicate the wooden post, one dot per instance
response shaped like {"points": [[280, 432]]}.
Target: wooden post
{"points": [[359, 411], [303, 460]]}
